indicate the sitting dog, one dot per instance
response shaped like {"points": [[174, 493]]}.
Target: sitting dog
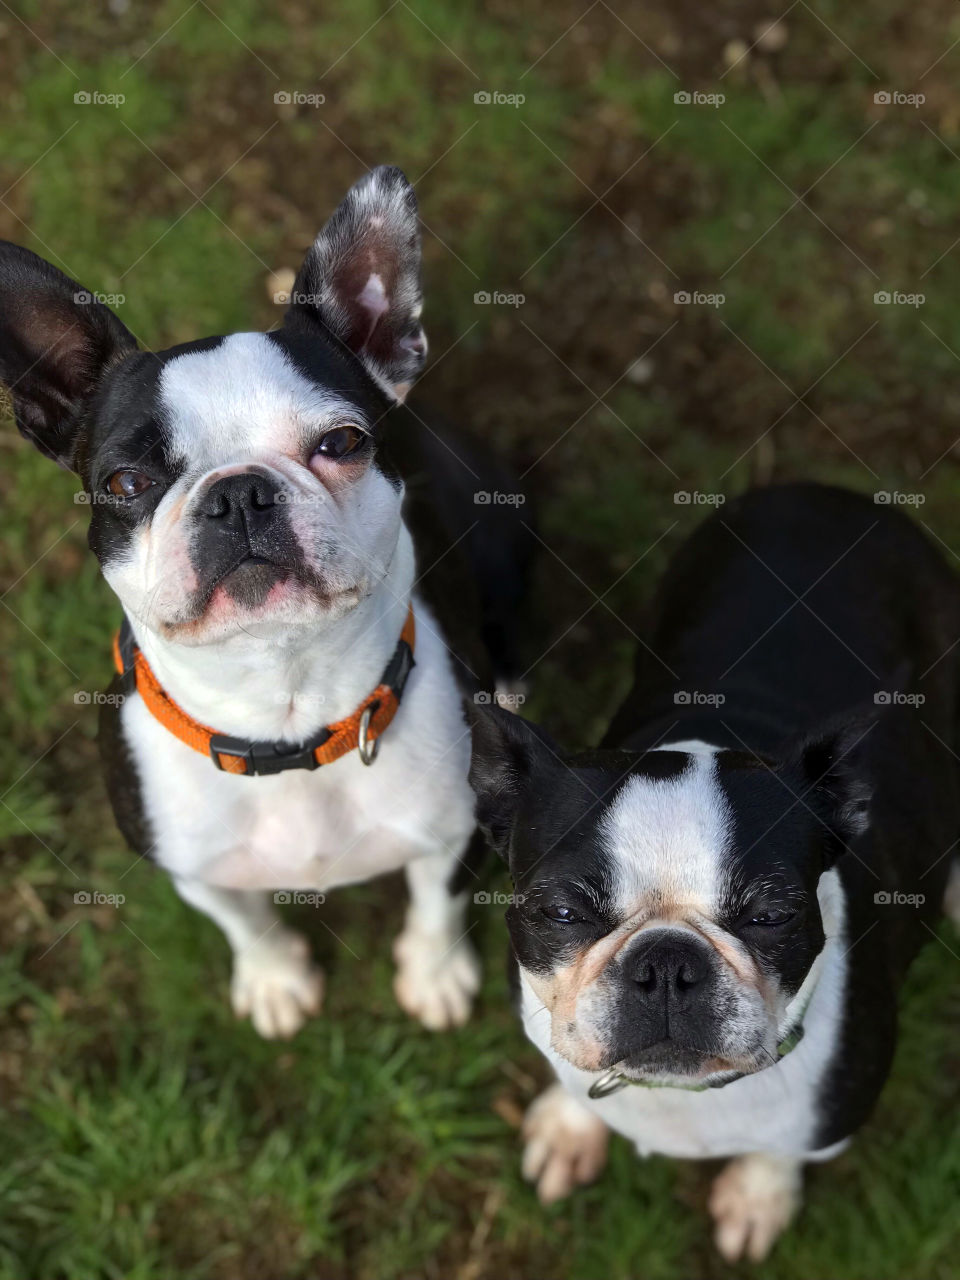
{"points": [[246, 510], [714, 910]]}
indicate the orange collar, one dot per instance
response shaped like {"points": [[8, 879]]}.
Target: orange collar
{"points": [[361, 729]]}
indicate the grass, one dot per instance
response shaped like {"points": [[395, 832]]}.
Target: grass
{"points": [[149, 1136]]}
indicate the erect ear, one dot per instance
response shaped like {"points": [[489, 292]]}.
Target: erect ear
{"points": [[361, 278], [832, 764], [506, 750], [56, 340]]}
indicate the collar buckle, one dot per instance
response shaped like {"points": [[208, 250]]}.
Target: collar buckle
{"points": [[263, 758]]}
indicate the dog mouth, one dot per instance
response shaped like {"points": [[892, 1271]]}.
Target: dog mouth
{"points": [[669, 1060], [249, 581]]}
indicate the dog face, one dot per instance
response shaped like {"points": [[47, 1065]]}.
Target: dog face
{"points": [[666, 905], [234, 482]]}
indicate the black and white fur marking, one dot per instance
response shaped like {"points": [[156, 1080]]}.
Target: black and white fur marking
{"points": [[245, 511], [761, 842]]}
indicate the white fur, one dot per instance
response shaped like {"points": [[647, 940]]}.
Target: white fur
{"points": [[668, 837]]}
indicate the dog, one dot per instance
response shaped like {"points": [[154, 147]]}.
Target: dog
{"points": [[714, 910], [288, 709]]}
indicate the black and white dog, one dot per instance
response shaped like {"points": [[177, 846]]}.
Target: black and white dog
{"points": [[754, 855], [246, 510]]}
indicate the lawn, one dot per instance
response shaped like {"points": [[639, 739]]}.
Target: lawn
{"points": [[149, 1136]]}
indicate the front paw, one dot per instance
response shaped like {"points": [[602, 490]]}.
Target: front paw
{"points": [[565, 1144], [435, 982], [276, 984], [752, 1201]]}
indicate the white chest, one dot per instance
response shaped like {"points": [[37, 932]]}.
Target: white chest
{"points": [[342, 823]]}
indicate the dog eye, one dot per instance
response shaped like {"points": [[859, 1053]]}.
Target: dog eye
{"points": [[129, 484], [341, 441], [766, 919], [560, 914]]}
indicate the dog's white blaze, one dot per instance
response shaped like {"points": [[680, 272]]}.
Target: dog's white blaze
{"points": [[243, 396], [669, 837]]}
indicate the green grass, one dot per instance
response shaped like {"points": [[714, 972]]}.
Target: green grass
{"points": [[148, 1135]]}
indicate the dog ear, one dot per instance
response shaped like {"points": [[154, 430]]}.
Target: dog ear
{"points": [[506, 751], [361, 279], [834, 778], [56, 340]]}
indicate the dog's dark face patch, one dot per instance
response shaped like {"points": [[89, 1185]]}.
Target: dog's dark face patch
{"points": [[667, 907]]}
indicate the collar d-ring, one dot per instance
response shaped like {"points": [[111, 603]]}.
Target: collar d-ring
{"points": [[367, 747]]}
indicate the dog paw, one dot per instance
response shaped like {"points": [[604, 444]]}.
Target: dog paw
{"points": [[565, 1145], [435, 982], [752, 1201], [276, 985]]}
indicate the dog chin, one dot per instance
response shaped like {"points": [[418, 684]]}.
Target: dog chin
{"points": [[669, 1064], [262, 607]]}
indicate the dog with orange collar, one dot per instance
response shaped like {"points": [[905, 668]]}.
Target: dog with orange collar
{"points": [[290, 666]]}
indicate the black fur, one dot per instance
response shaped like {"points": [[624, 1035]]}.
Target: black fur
{"points": [[826, 626]]}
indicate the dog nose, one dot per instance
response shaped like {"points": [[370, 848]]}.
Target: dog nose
{"points": [[246, 493], [667, 966]]}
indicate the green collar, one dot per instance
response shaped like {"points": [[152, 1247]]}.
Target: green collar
{"points": [[613, 1081]]}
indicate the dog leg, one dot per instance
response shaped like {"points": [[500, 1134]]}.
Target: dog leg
{"points": [[275, 982], [752, 1201], [565, 1144], [438, 972]]}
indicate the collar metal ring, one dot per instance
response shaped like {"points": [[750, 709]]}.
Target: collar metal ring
{"points": [[367, 747]]}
